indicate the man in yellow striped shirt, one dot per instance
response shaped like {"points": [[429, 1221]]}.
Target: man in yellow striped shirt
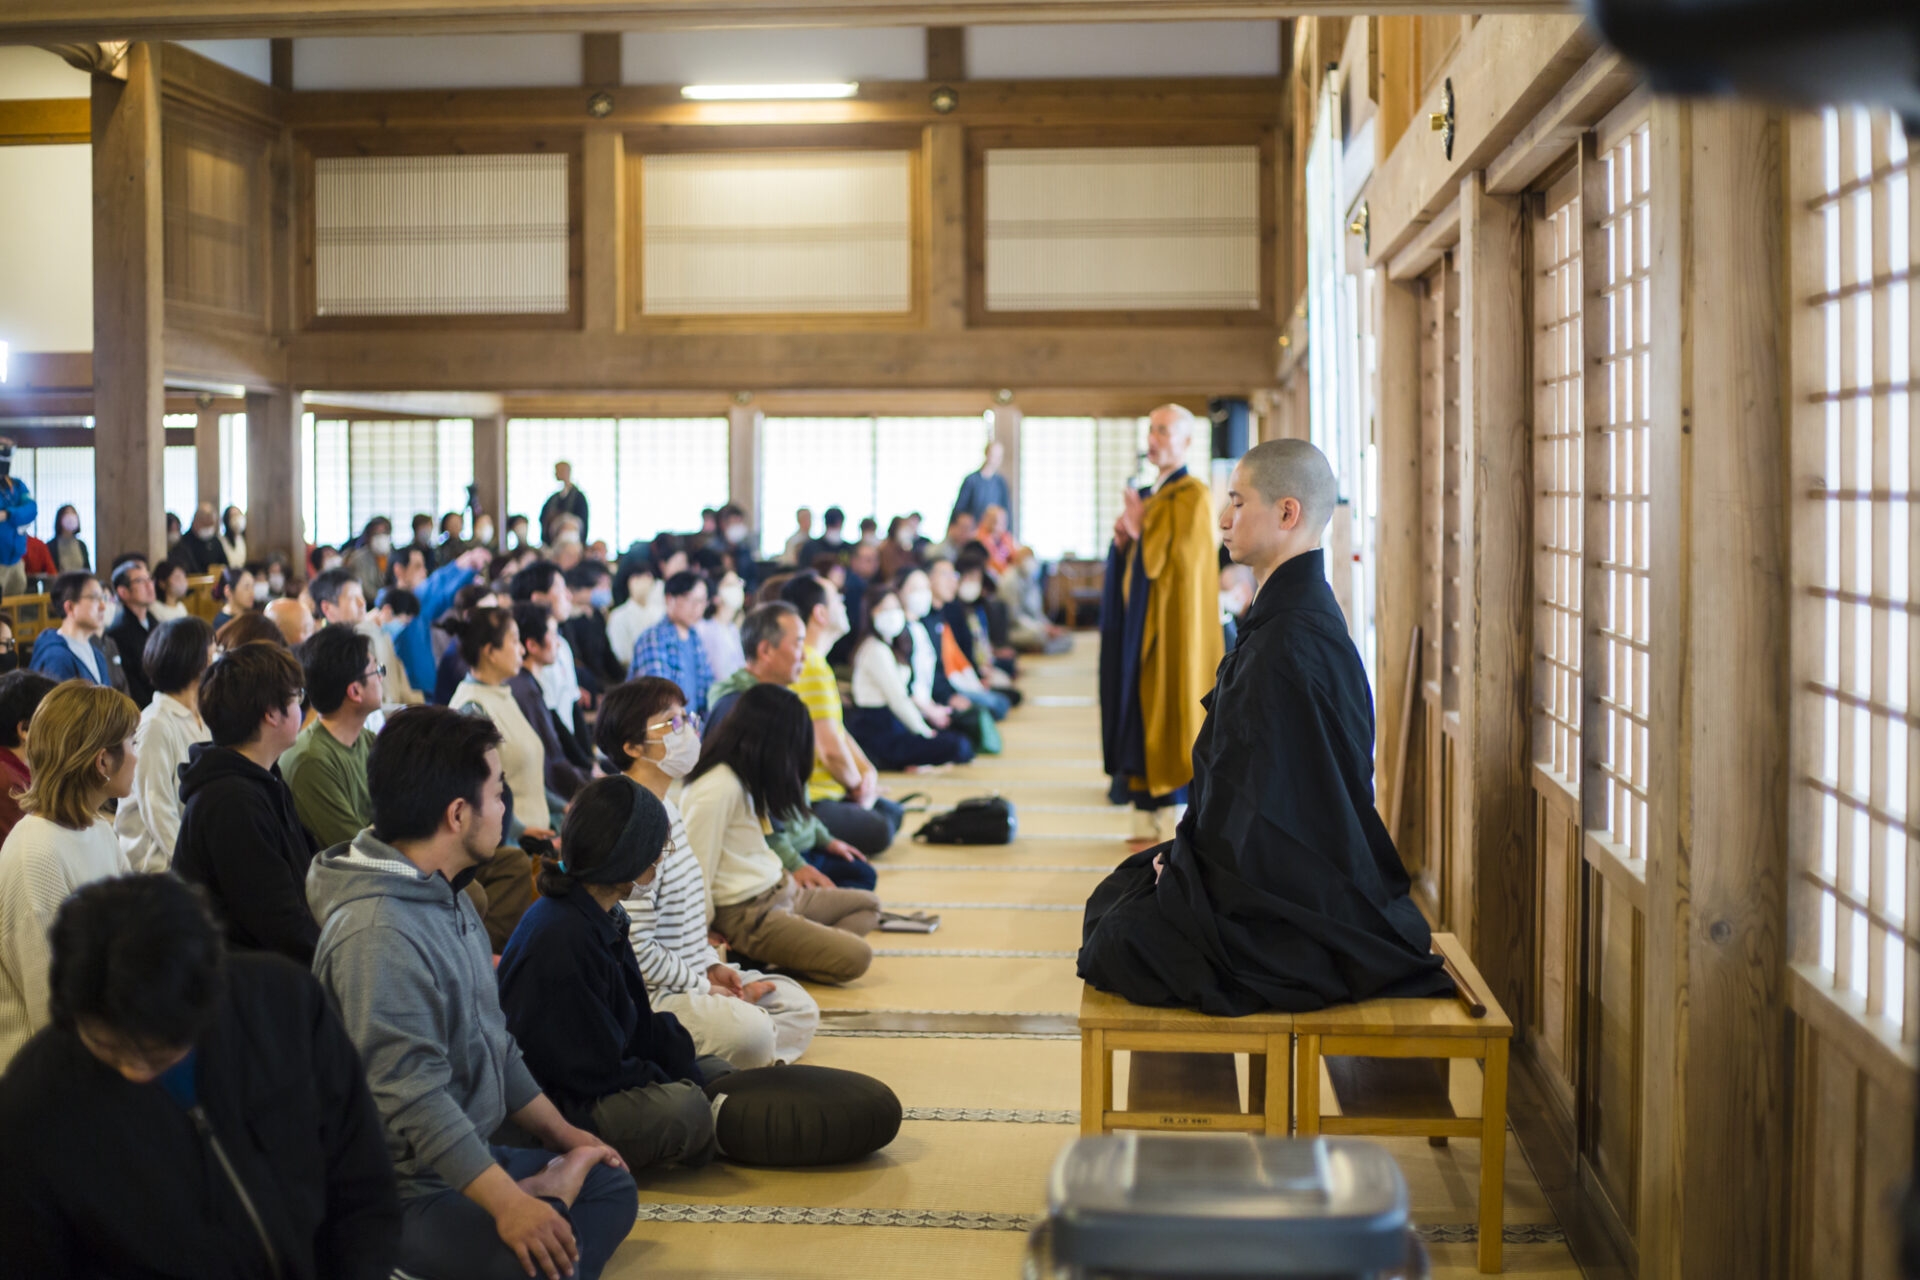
{"points": [[845, 788]]}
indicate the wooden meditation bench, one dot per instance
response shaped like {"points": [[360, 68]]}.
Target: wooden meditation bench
{"points": [[1388, 1099]]}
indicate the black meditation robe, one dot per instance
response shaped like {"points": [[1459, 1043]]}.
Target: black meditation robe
{"points": [[1282, 888]]}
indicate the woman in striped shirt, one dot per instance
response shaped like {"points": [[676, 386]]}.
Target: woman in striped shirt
{"points": [[751, 1019]]}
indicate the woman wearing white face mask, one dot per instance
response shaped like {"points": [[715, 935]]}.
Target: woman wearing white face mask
{"points": [[233, 535], [719, 631], [749, 1018], [889, 725]]}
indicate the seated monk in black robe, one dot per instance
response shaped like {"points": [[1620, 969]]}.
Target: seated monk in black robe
{"points": [[1281, 888]]}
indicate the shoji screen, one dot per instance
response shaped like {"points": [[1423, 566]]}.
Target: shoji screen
{"points": [[1148, 228], [442, 235]]}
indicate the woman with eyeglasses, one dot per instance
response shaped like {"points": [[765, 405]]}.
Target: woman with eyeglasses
{"points": [[753, 772], [148, 820], [751, 1019]]}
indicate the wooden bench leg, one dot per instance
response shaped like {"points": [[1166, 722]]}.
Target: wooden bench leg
{"points": [[1278, 1064], [1096, 1081], [1493, 1155], [1306, 1085]]}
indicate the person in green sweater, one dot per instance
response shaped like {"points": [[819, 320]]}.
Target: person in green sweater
{"points": [[772, 637], [326, 767]]}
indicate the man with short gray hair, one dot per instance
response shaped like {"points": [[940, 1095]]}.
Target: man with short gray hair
{"points": [[1281, 888]]}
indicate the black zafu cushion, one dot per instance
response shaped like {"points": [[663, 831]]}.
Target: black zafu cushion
{"points": [[797, 1115]]}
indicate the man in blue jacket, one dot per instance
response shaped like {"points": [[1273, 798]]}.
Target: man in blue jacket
{"points": [[75, 651], [17, 513], [408, 569]]}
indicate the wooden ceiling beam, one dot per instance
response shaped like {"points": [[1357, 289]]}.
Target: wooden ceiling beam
{"points": [[981, 102], [34, 122], [44, 21], [1193, 360]]}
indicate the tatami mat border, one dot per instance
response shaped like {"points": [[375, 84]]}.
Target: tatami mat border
{"points": [[870, 1033], [975, 1220], [991, 1115], [963, 954], [982, 906]]}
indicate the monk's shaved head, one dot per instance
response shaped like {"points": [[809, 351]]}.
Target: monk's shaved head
{"points": [[1293, 469]]}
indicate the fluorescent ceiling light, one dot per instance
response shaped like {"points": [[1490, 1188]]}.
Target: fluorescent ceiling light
{"points": [[766, 92]]}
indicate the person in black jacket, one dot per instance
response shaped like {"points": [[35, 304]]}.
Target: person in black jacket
{"points": [[188, 1113], [240, 834], [133, 625], [577, 1005], [539, 637], [590, 583]]}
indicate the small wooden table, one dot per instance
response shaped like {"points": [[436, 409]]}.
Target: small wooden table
{"points": [[1110, 1024], [1429, 1028]]}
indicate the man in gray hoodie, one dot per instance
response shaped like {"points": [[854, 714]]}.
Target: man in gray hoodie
{"points": [[405, 955]]}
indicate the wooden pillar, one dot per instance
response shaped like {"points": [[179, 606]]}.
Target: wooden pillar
{"points": [[743, 463], [1496, 484], [946, 232], [1717, 1048], [1006, 430], [490, 471], [946, 54], [602, 218], [129, 309], [206, 462], [276, 480], [1397, 558]]}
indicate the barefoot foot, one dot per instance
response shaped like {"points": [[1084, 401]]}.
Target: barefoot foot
{"points": [[562, 1178]]}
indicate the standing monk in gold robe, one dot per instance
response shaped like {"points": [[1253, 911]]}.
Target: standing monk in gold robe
{"points": [[1160, 637]]}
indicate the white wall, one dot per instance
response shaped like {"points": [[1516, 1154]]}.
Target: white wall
{"points": [[46, 248], [1086, 50], [437, 62], [248, 57], [773, 57], [27, 72]]}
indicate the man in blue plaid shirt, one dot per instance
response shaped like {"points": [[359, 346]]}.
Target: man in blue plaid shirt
{"points": [[670, 649]]}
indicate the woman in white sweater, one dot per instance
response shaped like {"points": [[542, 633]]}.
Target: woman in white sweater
{"points": [[890, 726], [490, 644], [148, 821], [751, 1019], [753, 770], [80, 747]]}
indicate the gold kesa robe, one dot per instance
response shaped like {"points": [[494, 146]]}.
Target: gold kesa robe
{"points": [[1182, 644]]}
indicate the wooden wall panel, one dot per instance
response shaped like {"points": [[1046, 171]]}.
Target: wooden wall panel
{"points": [[1616, 1030], [1852, 1157], [216, 176], [1553, 1023]]}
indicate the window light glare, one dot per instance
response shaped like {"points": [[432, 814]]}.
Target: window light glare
{"points": [[767, 92]]}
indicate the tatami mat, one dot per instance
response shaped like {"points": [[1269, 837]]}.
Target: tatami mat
{"points": [[991, 1099], [904, 884], [970, 983], [989, 930]]}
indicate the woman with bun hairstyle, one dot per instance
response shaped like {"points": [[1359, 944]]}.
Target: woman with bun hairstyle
{"points": [[577, 1005]]}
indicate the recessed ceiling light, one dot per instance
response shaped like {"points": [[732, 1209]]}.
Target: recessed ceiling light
{"points": [[766, 92]]}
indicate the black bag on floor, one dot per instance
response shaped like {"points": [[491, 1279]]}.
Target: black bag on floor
{"points": [[982, 820]]}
